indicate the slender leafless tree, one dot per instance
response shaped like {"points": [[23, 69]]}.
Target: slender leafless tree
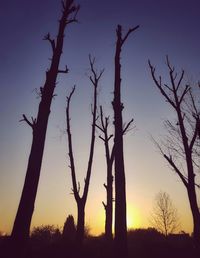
{"points": [[181, 146], [21, 228], [120, 184], [81, 200], [109, 154], [164, 216]]}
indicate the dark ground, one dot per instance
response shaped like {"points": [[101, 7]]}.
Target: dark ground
{"points": [[141, 244]]}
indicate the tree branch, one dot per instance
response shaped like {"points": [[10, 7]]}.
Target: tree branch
{"points": [[187, 88], [95, 79], [95, 76], [180, 80], [169, 159], [196, 130], [31, 124], [71, 156], [128, 33], [126, 128], [159, 85], [104, 205], [64, 71], [52, 41]]}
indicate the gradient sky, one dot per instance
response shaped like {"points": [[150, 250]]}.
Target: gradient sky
{"points": [[166, 27]]}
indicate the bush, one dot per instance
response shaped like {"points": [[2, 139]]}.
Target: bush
{"points": [[45, 234], [69, 229]]}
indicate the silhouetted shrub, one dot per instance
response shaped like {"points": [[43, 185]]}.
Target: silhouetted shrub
{"points": [[69, 229], [45, 234]]}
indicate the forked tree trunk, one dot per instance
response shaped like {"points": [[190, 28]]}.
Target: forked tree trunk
{"points": [[81, 200], [120, 184], [21, 228]]}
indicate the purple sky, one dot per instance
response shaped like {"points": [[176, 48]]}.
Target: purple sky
{"points": [[166, 27]]}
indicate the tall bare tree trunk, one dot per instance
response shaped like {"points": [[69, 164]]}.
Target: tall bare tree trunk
{"points": [[120, 184], [21, 228]]}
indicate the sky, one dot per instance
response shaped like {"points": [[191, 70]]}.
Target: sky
{"points": [[166, 27]]}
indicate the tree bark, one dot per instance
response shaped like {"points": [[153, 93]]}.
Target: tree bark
{"points": [[195, 214], [80, 223], [21, 228], [109, 206], [120, 183]]}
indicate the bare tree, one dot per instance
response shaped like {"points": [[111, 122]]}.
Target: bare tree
{"points": [[81, 200], [109, 154], [38, 125], [180, 147], [164, 216], [103, 127], [120, 184]]}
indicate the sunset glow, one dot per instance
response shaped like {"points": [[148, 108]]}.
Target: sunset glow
{"points": [[133, 218], [23, 65]]}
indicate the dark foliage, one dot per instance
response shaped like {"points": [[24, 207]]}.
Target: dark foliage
{"points": [[142, 243], [69, 229]]}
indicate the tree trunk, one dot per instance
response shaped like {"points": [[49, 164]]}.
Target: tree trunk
{"points": [[80, 230], [21, 228], [120, 184], [195, 215], [109, 205]]}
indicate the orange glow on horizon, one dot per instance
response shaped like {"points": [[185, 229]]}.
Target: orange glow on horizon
{"points": [[133, 218]]}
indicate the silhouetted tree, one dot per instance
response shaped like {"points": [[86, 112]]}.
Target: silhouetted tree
{"points": [[69, 229], [25, 210], [164, 216], [81, 200], [180, 148], [109, 154], [108, 206], [120, 184]]}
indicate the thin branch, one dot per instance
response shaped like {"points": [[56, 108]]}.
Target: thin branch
{"points": [[159, 85], [52, 41], [103, 139], [180, 80], [169, 159], [128, 33], [31, 124], [99, 127], [126, 128], [94, 78], [187, 88], [104, 205], [193, 103], [170, 89], [71, 156], [196, 130], [64, 71]]}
